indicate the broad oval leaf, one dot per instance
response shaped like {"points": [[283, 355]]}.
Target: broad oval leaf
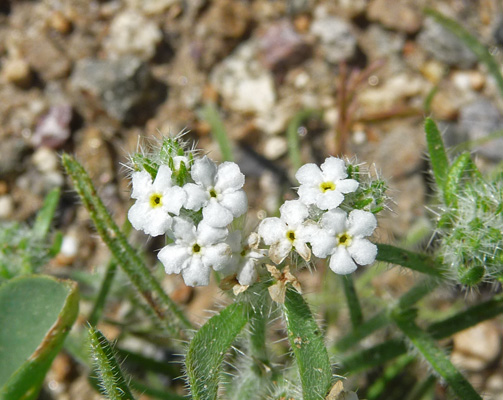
{"points": [[36, 314]]}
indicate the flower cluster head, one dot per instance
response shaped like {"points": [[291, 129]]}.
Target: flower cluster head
{"points": [[332, 217], [471, 231], [195, 203]]}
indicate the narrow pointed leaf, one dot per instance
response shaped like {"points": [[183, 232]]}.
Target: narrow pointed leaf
{"points": [[37, 313], [46, 214], [405, 258], [436, 357], [306, 341], [112, 382], [436, 150], [208, 347], [462, 166], [165, 309], [212, 117]]}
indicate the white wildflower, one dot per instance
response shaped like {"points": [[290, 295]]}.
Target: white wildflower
{"points": [[217, 190], [155, 201], [195, 251], [291, 231], [325, 187], [245, 256], [343, 238]]}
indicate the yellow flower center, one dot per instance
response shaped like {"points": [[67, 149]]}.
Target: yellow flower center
{"points": [[155, 200], [196, 248], [343, 239], [213, 193], [290, 235], [324, 186]]}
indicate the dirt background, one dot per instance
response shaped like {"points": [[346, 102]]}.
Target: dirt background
{"points": [[91, 77]]}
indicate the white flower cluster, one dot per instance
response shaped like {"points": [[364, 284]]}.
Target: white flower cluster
{"points": [[194, 202], [316, 221], [195, 217]]}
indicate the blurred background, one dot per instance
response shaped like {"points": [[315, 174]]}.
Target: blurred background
{"points": [[347, 77]]}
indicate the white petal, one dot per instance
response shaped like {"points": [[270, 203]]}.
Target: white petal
{"points": [[308, 194], [235, 202], [271, 230], [323, 244], [163, 178], [142, 184], [334, 169], [341, 262], [208, 235], [173, 258], [217, 256], [234, 241], [334, 221], [347, 185], [309, 174], [184, 230], [153, 221], [363, 251], [216, 215], [361, 223], [293, 212], [197, 196], [279, 250], [173, 199], [196, 273], [329, 200], [204, 172], [229, 177], [248, 273]]}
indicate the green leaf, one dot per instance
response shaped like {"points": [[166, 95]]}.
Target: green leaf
{"points": [[36, 314], [112, 381], [436, 150], [46, 214], [472, 43], [306, 341], [463, 165], [208, 347], [405, 258], [355, 310], [165, 309], [436, 357], [210, 114]]}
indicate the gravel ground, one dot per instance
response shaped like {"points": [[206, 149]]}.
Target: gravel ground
{"points": [[90, 77]]}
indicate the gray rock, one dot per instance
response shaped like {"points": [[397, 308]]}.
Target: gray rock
{"points": [[445, 46], [478, 120], [119, 84], [337, 39], [498, 32]]}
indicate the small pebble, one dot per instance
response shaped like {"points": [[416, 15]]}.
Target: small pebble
{"points": [[17, 71], [275, 147], [6, 206], [45, 159]]}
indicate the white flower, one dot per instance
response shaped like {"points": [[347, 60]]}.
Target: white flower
{"points": [[195, 251], [325, 187], [217, 190], [245, 256], [291, 231], [155, 201], [342, 238]]}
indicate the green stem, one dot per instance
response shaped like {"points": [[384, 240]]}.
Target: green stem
{"points": [[127, 258], [421, 388], [355, 310], [292, 134], [210, 114], [377, 388], [434, 355]]}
